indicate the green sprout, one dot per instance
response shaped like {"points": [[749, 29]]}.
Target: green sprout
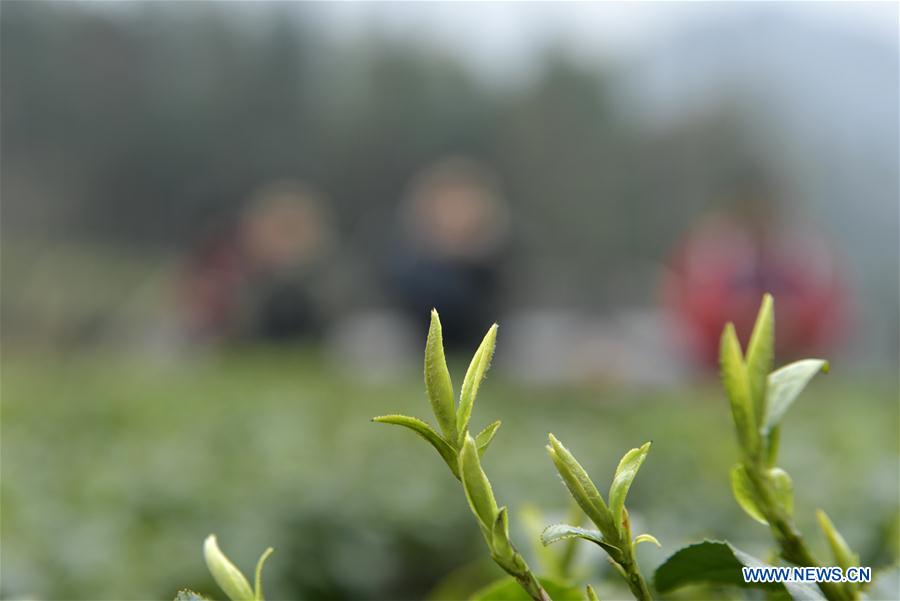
{"points": [[229, 578], [462, 453], [614, 534], [759, 399]]}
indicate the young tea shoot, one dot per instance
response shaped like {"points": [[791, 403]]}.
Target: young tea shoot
{"points": [[614, 529], [462, 453], [759, 398], [229, 578]]}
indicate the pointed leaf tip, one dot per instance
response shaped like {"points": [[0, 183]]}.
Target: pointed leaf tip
{"points": [[761, 356], [481, 362], [226, 574], [580, 486], [840, 550], [484, 438], [626, 471], [785, 384]]}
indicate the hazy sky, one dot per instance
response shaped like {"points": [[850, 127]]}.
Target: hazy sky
{"points": [[493, 35]]}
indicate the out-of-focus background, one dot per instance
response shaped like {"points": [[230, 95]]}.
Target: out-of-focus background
{"points": [[223, 226]]}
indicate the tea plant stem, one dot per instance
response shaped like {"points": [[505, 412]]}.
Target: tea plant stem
{"points": [[789, 539], [636, 581], [529, 582]]}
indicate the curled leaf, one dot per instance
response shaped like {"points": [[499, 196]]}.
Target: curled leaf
{"points": [[743, 491], [783, 487], [426, 432], [437, 380], [786, 384], [477, 487], [227, 576], [625, 473], [257, 589], [645, 538], [500, 543], [484, 438], [580, 486], [737, 388], [481, 361]]}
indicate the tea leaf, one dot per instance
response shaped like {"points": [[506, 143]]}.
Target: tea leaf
{"points": [[477, 487], [484, 438], [481, 362], [426, 432], [580, 486], [786, 384], [737, 388], [500, 544], [437, 381], [783, 487], [843, 554], [227, 576], [557, 532], [645, 538], [742, 489], [718, 562], [625, 473], [761, 356], [257, 589]]}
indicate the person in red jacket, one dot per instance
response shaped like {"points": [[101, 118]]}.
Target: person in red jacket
{"points": [[727, 261]]}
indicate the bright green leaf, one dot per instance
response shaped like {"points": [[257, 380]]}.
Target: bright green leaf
{"points": [[437, 380], [500, 543], [743, 491], [645, 538], [477, 487], [227, 576], [761, 356], [625, 473], [426, 432], [508, 589], [783, 487], [590, 594], [557, 532], [786, 384], [481, 361], [843, 554], [484, 438], [580, 486], [737, 388], [717, 562]]}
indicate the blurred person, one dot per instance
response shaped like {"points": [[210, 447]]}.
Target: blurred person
{"points": [[454, 232], [261, 277], [726, 262]]}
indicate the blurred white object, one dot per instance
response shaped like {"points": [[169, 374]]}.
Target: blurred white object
{"points": [[376, 345], [632, 348]]}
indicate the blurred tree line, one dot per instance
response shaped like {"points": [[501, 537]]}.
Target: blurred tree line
{"points": [[141, 124]]}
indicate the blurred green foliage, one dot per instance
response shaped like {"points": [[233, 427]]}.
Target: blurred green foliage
{"points": [[117, 466]]}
